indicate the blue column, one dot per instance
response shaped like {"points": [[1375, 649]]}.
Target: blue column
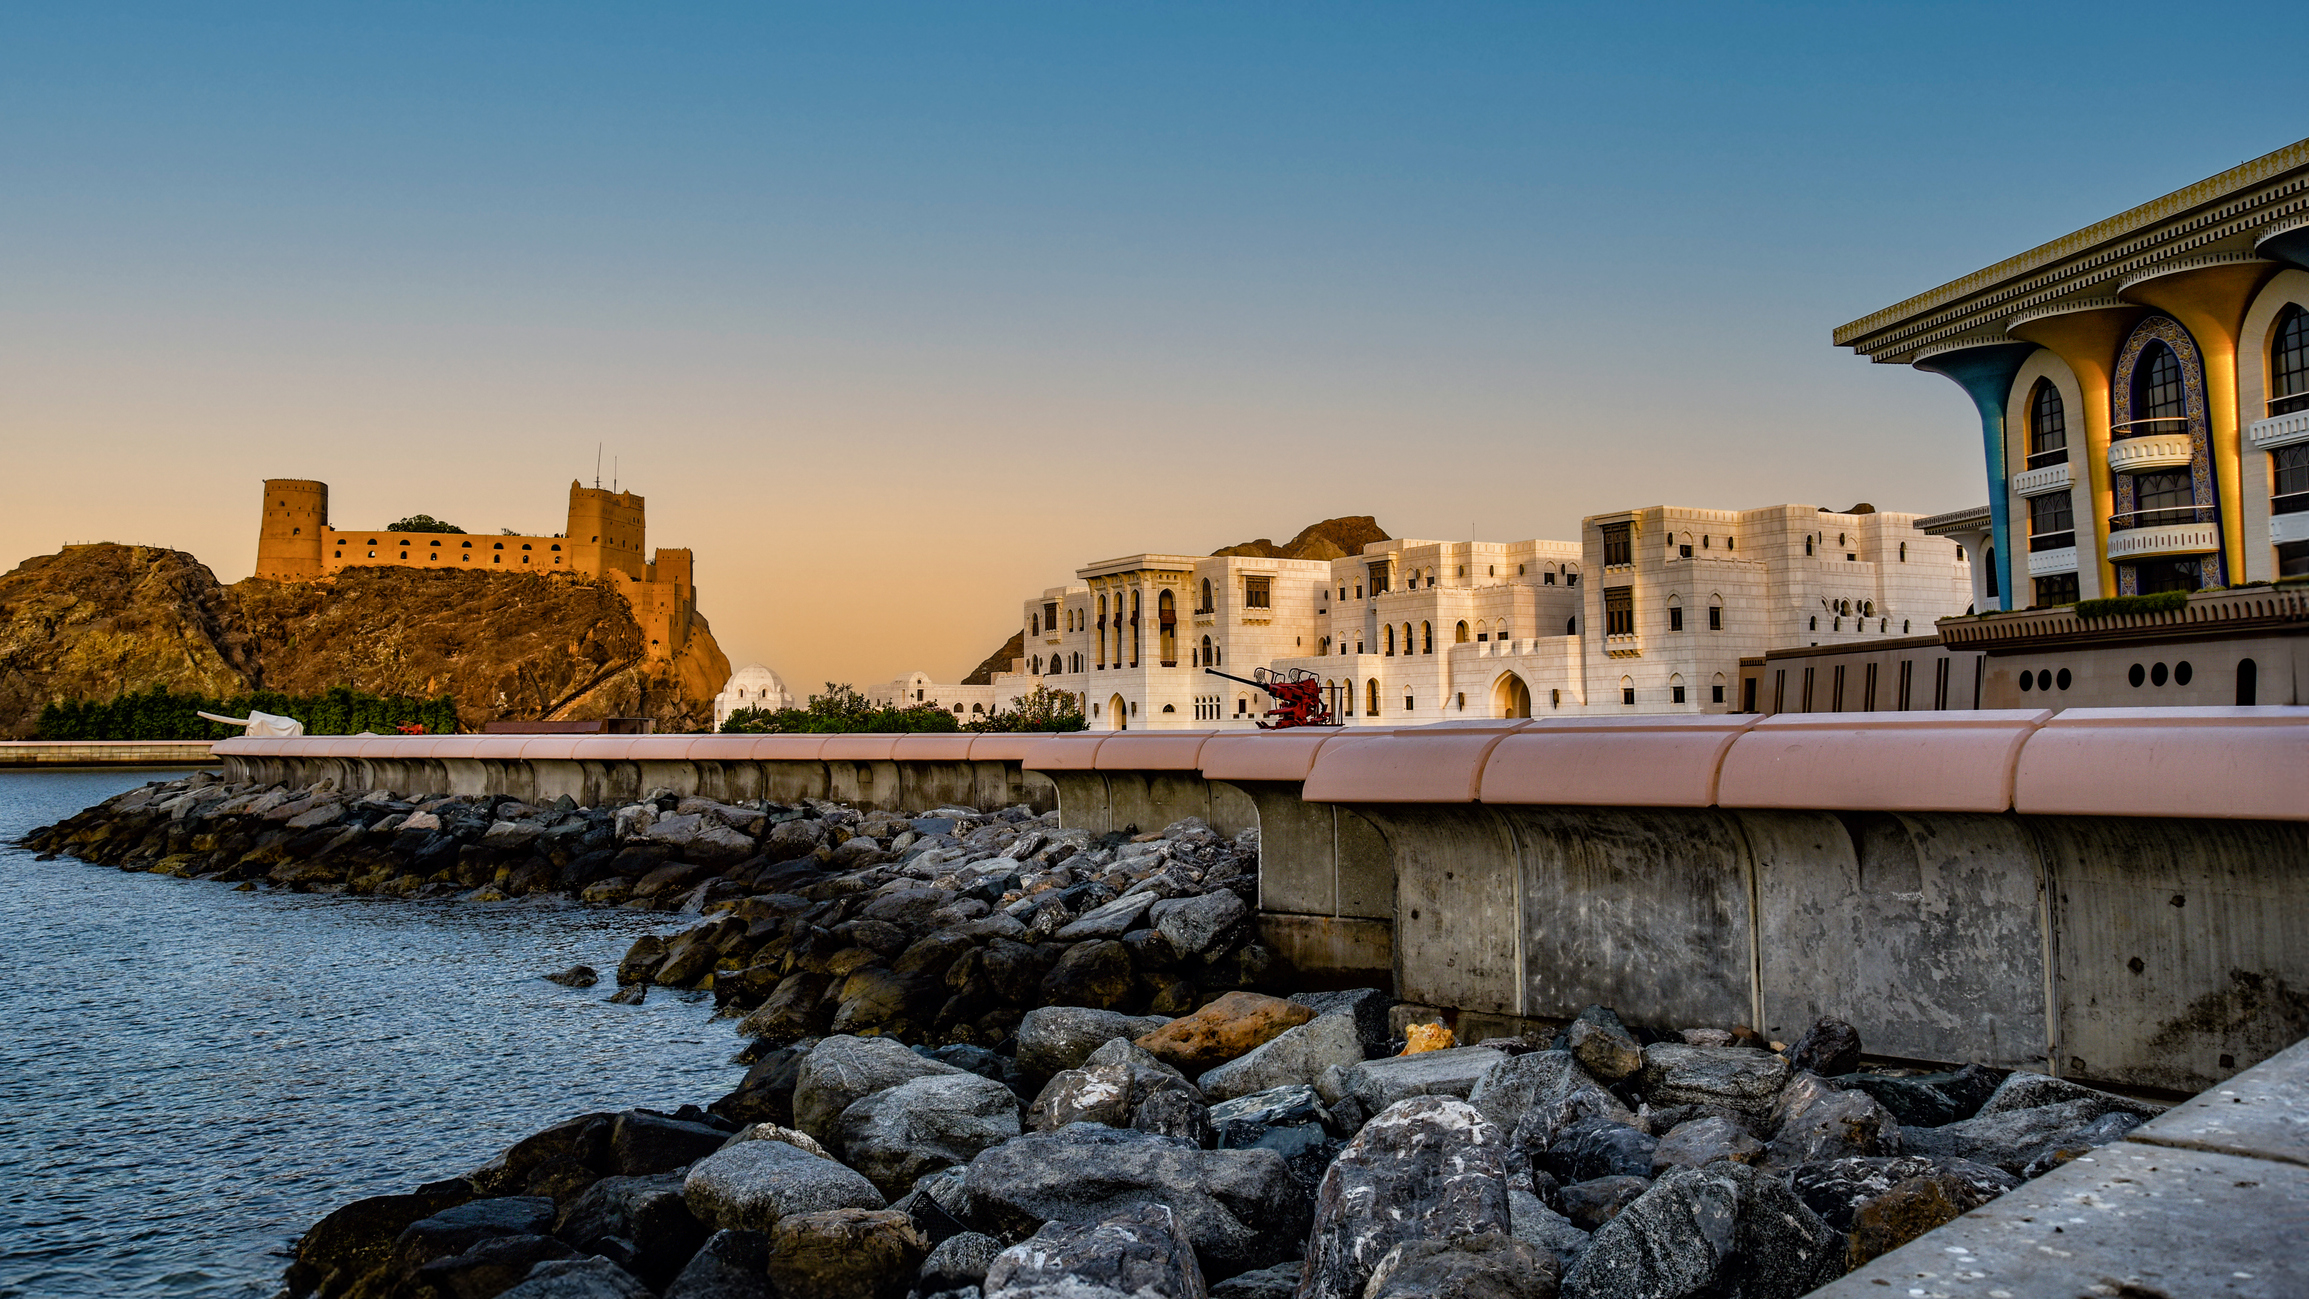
{"points": [[1985, 373]]}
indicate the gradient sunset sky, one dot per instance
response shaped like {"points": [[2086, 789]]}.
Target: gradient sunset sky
{"points": [[898, 314]]}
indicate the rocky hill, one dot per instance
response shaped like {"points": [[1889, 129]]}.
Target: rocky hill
{"points": [[1000, 660], [1330, 539], [94, 621]]}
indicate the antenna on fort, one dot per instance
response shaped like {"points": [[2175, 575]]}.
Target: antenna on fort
{"points": [[613, 473], [597, 466]]}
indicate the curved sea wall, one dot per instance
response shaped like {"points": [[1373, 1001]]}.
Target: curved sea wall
{"points": [[2104, 893]]}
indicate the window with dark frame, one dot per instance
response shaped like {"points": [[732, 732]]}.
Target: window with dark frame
{"points": [[1715, 617], [2289, 474], [1675, 617], [2051, 525], [2289, 362], [2160, 403], [1257, 592], [1619, 611], [2058, 589], [2047, 427], [1617, 540]]}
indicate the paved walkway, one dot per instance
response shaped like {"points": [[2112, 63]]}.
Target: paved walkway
{"points": [[104, 753], [2212, 1198]]}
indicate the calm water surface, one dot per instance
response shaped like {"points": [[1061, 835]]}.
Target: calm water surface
{"points": [[189, 1076]]}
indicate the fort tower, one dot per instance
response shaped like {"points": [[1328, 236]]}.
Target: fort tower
{"points": [[606, 531], [289, 540]]}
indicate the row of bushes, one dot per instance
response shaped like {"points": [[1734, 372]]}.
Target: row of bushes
{"points": [[164, 714], [841, 710]]}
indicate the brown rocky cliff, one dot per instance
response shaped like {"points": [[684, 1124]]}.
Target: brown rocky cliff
{"points": [[999, 661], [502, 647], [93, 620], [1330, 539]]}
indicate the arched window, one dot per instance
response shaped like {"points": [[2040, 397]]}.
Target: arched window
{"points": [[1462, 636], [1571, 626], [500, 545], [1371, 697], [1167, 629], [2289, 362], [1206, 605], [1206, 662], [2157, 392], [1482, 630], [1427, 638], [1390, 640], [2047, 427]]}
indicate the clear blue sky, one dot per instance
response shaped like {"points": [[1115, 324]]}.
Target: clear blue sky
{"points": [[898, 313]]}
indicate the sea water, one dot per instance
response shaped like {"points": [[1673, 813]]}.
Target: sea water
{"points": [[190, 1076]]}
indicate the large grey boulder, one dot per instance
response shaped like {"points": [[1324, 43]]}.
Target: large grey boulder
{"points": [[1722, 1230], [1140, 1250], [1491, 1265], [1240, 1208], [904, 1133], [1296, 1055], [1112, 920], [1368, 1006], [1510, 1087], [1831, 1124], [1576, 1099], [1719, 1077], [959, 1260], [1193, 924], [1052, 1038], [1533, 1223], [1603, 1046], [1426, 1167], [1377, 1084], [841, 1071], [751, 1184], [1837, 1188], [1696, 1143], [730, 1265], [643, 1224], [2028, 1091], [2015, 1140], [578, 1278]]}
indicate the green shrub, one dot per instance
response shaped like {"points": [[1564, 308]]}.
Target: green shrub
{"points": [[163, 714], [839, 711], [2161, 602], [423, 523], [1040, 709]]}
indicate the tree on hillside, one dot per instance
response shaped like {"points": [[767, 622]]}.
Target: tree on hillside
{"points": [[423, 523]]}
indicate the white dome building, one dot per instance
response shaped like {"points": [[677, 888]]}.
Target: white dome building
{"points": [[752, 686]]}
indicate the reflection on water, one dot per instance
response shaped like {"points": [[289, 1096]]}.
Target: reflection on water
{"points": [[192, 1075]]}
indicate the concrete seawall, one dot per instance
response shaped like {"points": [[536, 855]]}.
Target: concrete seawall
{"points": [[2110, 895]]}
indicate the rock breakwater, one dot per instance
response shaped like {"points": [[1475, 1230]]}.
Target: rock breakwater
{"points": [[993, 1059]]}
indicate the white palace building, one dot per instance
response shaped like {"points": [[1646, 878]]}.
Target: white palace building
{"points": [[1650, 611]]}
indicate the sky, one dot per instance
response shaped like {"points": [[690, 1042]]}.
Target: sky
{"points": [[898, 314]]}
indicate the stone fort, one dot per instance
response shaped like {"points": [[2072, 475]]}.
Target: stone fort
{"points": [[604, 542]]}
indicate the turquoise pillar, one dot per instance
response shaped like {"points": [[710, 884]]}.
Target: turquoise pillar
{"points": [[1985, 373]]}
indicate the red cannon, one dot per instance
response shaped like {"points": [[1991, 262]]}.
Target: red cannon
{"points": [[1298, 696]]}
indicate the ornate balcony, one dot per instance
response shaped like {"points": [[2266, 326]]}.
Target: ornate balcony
{"points": [[2037, 482], [2150, 534], [2045, 563], [2278, 431], [2145, 451]]}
